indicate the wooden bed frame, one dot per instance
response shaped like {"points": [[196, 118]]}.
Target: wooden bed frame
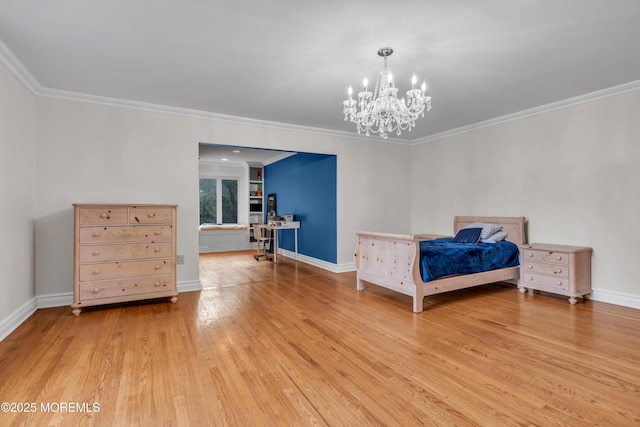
{"points": [[391, 261]]}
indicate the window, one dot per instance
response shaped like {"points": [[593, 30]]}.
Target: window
{"points": [[218, 201]]}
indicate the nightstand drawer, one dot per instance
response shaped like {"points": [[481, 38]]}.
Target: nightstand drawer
{"points": [[545, 256], [545, 283], [550, 269]]}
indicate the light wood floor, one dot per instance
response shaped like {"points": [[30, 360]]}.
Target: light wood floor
{"points": [[290, 344]]}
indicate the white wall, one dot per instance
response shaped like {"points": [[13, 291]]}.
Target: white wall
{"points": [[17, 149], [96, 153], [573, 173]]}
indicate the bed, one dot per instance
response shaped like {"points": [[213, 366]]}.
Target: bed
{"points": [[393, 261]]}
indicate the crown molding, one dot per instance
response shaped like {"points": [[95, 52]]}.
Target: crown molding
{"points": [[14, 65], [193, 113], [22, 73], [26, 78], [565, 103]]}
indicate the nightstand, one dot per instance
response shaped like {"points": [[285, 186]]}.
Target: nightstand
{"points": [[560, 269]]}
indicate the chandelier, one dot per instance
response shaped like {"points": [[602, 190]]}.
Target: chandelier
{"points": [[381, 111]]}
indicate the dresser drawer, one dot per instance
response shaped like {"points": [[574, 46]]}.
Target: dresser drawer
{"points": [[115, 252], [551, 269], [141, 233], [91, 272], [103, 216], [545, 283], [149, 215], [110, 289], [545, 256]]}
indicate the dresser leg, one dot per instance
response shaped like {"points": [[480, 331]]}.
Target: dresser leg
{"points": [[76, 311], [573, 300], [523, 290], [174, 299]]}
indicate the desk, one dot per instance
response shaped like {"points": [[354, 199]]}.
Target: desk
{"points": [[283, 225]]}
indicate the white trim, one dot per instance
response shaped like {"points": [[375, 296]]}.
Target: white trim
{"points": [[18, 69], [193, 113], [565, 103], [66, 298], [20, 315], [55, 300], [15, 319], [189, 286], [325, 265], [22, 73], [617, 298]]}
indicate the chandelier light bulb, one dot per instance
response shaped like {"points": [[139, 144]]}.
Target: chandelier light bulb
{"points": [[389, 77], [424, 87], [350, 91], [414, 80], [365, 83]]}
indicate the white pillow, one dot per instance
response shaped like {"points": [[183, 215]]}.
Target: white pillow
{"points": [[495, 237], [488, 230]]}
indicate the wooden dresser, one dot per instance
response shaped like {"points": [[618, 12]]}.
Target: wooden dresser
{"points": [[560, 269], [123, 253]]}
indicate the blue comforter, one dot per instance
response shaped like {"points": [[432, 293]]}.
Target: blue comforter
{"points": [[441, 257]]}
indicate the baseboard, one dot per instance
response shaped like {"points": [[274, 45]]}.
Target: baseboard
{"points": [[189, 286], [617, 298], [325, 265], [66, 298], [15, 319], [55, 300]]}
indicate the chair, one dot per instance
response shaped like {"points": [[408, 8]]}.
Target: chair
{"points": [[262, 234]]}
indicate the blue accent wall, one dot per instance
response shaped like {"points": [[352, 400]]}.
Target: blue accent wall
{"points": [[305, 186]]}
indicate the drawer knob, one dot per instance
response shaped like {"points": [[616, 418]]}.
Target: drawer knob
{"points": [[96, 234], [530, 267], [96, 290], [103, 215], [157, 267], [151, 215], [559, 282], [156, 250], [158, 232], [96, 271], [158, 283], [96, 253], [559, 257], [530, 277], [531, 254]]}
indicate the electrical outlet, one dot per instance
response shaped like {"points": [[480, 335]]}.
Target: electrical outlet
{"points": [[180, 259]]}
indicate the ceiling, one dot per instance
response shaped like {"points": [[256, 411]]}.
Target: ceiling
{"points": [[215, 153], [290, 62]]}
